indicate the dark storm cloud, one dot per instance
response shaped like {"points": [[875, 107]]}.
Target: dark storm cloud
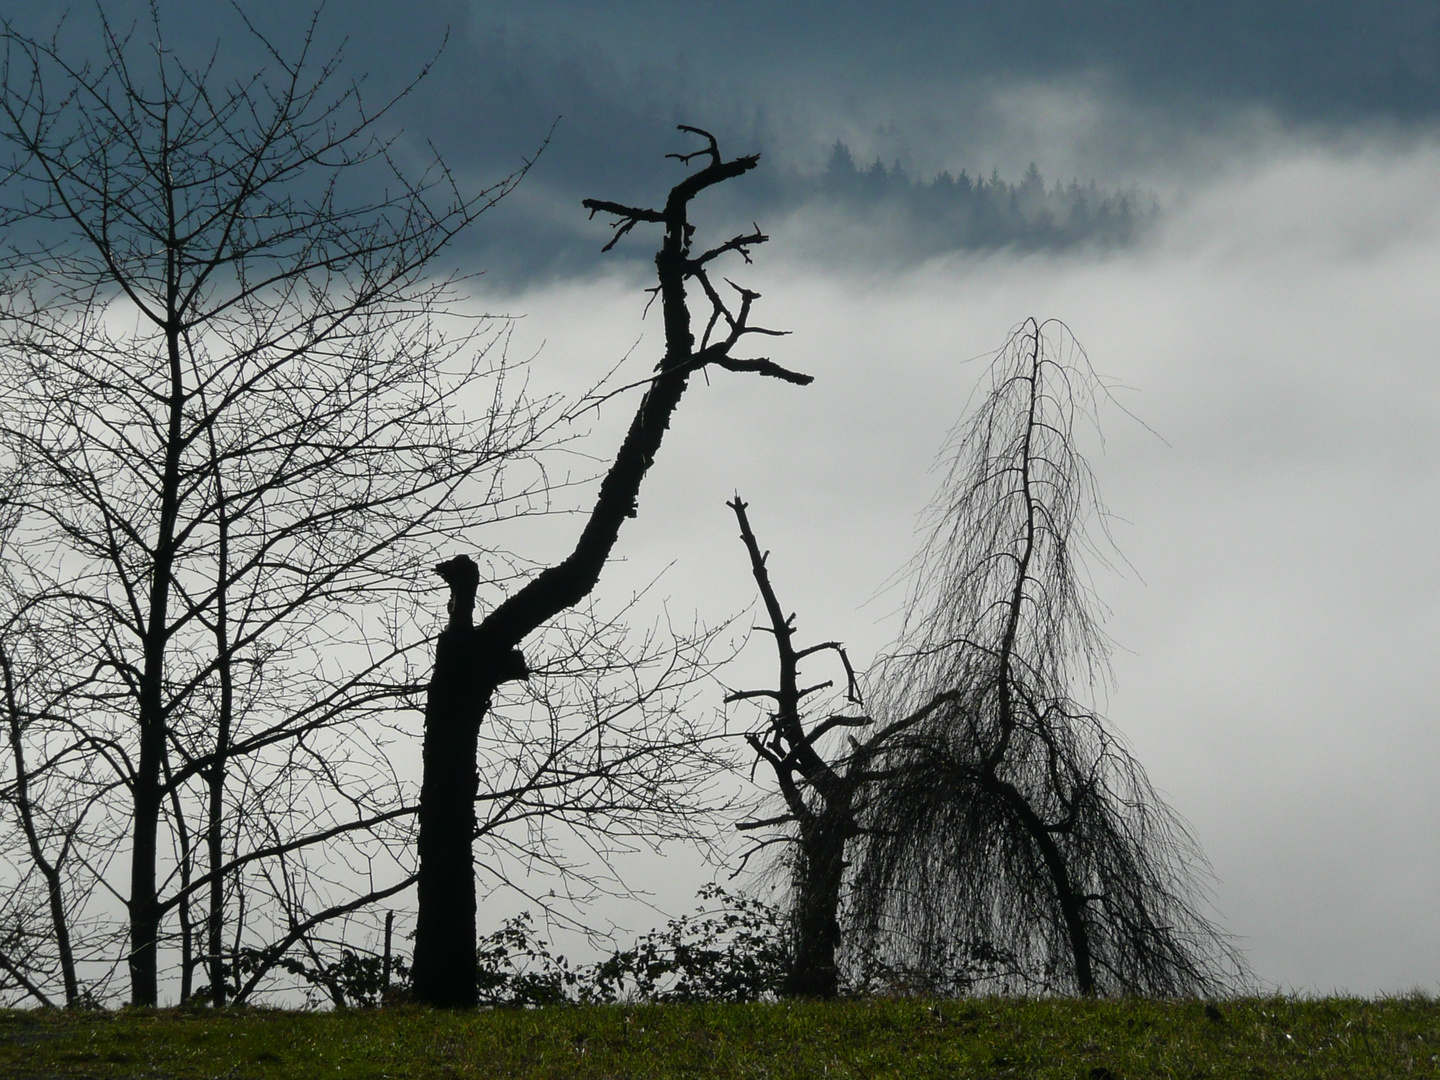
{"points": [[910, 82], [616, 71], [511, 68], [1305, 58], [915, 83]]}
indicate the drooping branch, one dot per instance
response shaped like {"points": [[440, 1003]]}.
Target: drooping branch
{"points": [[1014, 841]]}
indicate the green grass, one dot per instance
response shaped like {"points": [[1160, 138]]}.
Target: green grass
{"points": [[1061, 1039]]}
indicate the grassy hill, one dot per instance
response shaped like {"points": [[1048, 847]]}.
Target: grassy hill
{"points": [[914, 1039]]}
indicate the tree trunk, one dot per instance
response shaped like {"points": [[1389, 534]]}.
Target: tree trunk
{"points": [[188, 960], [813, 972], [470, 664], [445, 930], [54, 892], [144, 901], [1072, 904], [826, 821], [215, 778]]}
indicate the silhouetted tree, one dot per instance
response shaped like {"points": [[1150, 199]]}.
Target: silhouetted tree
{"points": [[472, 660], [231, 440], [825, 788], [1013, 827], [35, 918]]}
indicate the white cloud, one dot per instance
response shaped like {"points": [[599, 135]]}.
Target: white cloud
{"points": [[1278, 677]]}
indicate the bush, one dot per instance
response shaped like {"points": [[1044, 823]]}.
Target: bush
{"points": [[732, 948], [738, 953]]}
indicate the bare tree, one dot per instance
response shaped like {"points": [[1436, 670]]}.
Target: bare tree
{"points": [[234, 435], [825, 787], [49, 828], [600, 752], [473, 661], [1014, 832]]}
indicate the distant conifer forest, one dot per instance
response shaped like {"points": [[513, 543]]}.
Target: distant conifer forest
{"points": [[870, 215], [963, 212]]}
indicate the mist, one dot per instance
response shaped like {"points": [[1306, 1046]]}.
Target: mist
{"points": [[1270, 462], [1269, 455]]}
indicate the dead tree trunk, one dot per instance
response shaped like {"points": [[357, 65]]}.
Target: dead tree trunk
{"points": [[818, 877], [823, 798], [467, 672], [472, 661], [818, 797]]}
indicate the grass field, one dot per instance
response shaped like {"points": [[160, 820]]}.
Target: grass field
{"points": [[916, 1040]]}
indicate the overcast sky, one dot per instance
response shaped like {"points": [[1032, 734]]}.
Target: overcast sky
{"points": [[1277, 328]]}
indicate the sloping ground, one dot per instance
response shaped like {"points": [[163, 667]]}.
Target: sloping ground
{"points": [[917, 1040]]}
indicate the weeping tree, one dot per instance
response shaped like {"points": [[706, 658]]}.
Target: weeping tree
{"points": [[1014, 837]]}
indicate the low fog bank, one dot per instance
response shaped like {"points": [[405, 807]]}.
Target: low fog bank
{"points": [[1276, 496]]}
